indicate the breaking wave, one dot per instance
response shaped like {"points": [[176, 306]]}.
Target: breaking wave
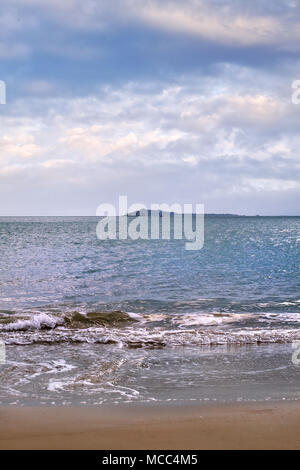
{"points": [[156, 330], [44, 321]]}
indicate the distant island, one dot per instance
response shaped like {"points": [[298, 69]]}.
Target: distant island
{"points": [[149, 212]]}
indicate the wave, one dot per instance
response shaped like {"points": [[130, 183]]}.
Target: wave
{"points": [[209, 319], [135, 330], [43, 321], [155, 337], [82, 320]]}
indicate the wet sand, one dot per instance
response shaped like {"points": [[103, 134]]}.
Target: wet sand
{"points": [[259, 426]]}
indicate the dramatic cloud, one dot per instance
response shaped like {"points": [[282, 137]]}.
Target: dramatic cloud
{"points": [[163, 101]]}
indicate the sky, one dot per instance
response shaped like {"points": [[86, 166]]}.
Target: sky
{"points": [[180, 101]]}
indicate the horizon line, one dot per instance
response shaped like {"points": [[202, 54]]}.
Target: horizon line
{"points": [[228, 214]]}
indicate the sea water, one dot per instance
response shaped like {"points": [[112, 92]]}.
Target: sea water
{"points": [[88, 321]]}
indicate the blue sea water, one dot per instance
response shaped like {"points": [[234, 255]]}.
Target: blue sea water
{"points": [[90, 321]]}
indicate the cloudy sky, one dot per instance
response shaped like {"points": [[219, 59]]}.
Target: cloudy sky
{"points": [[183, 101]]}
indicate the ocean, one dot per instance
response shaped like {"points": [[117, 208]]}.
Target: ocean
{"points": [[92, 322]]}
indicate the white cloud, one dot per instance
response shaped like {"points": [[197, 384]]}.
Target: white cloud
{"points": [[96, 142], [202, 22], [193, 140], [59, 164], [18, 146], [173, 125], [232, 24], [272, 184]]}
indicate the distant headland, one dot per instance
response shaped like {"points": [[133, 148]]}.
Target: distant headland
{"points": [[149, 213]]}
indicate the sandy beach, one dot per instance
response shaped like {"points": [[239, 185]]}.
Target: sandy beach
{"points": [[259, 426]]}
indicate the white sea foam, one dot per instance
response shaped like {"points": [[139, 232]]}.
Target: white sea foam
{"points": [[209, 319], [281, 317], [36, 322], [156, 337], [151, 330]]}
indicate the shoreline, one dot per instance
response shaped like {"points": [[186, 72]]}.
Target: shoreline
{"points": [[269, 425]]}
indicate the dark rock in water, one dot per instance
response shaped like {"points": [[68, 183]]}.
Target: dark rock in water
{"points": [[151, 344], [79, 320]]}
